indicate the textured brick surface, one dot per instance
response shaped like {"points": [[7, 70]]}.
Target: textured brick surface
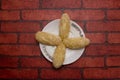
{"points": [[61, 4], [114, 38], [63, 73], [41, 14], [86, 14], [8, 38], [101, 4], [8, 61], [102, 73], [21, 57], [113, 61], [9, 15], [18, 73], [36, 62], [113, 14], [17, 50], [88, 62], [103, 50], [96, 37], [103, 26], [28, 38], [20, 4], [20, 27]]}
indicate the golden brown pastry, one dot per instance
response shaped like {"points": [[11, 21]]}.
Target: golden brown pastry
{"points": [[64, 26], [59, 55], [76, 43], [47, 38]]}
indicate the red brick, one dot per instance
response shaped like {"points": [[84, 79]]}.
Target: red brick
{"points": [[19, 50], [27, 38], [60, 74], [113, 14], [8, 62], [81, 24], [101, 3], [41, 14], [18, 73], [96, 37], [96, 73], [88, 62], [44, 23], [20, 4], [114, 37], [103, 26], [103, 50], [61, 4], [20, 27], [35, 62], [86, 14], [8, 38], [113, 61], [9, 15]]}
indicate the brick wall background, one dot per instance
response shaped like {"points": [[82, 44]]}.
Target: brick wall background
{"points": [[21, 59]]}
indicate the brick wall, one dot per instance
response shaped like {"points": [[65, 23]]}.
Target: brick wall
{"points": [[21, 59]]}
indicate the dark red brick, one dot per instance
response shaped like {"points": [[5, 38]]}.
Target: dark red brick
{"points": [[103, 50], [60, 74], [20, 4], [9, 15], [35, 62], [86, 14], [19, 50], [81, 24], [44, 23], [114, 37], [103, 26], [27, 38], [96, 37], [96, 73], [61, 4], [101, 4], [113, 61], [20, 27], [88, 62], [8, 62], [8, 38], [41, 14], [18, 73], [113, 14]]}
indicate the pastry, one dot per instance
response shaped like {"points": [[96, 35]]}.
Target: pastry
{"points": [[76, 43], [64, 26], [59, 55], [47, 38]]}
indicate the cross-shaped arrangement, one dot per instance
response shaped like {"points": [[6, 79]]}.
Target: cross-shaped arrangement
{"points": [[62, 41]]}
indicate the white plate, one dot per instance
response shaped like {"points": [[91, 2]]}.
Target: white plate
{"points": [[71, 55]]}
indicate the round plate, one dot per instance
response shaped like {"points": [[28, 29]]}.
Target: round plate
{"points": [[70, 55]]}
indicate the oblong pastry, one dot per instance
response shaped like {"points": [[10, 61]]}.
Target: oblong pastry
{"points": [[64, 26], [59, 55], [76, 43], [47, 38]]}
